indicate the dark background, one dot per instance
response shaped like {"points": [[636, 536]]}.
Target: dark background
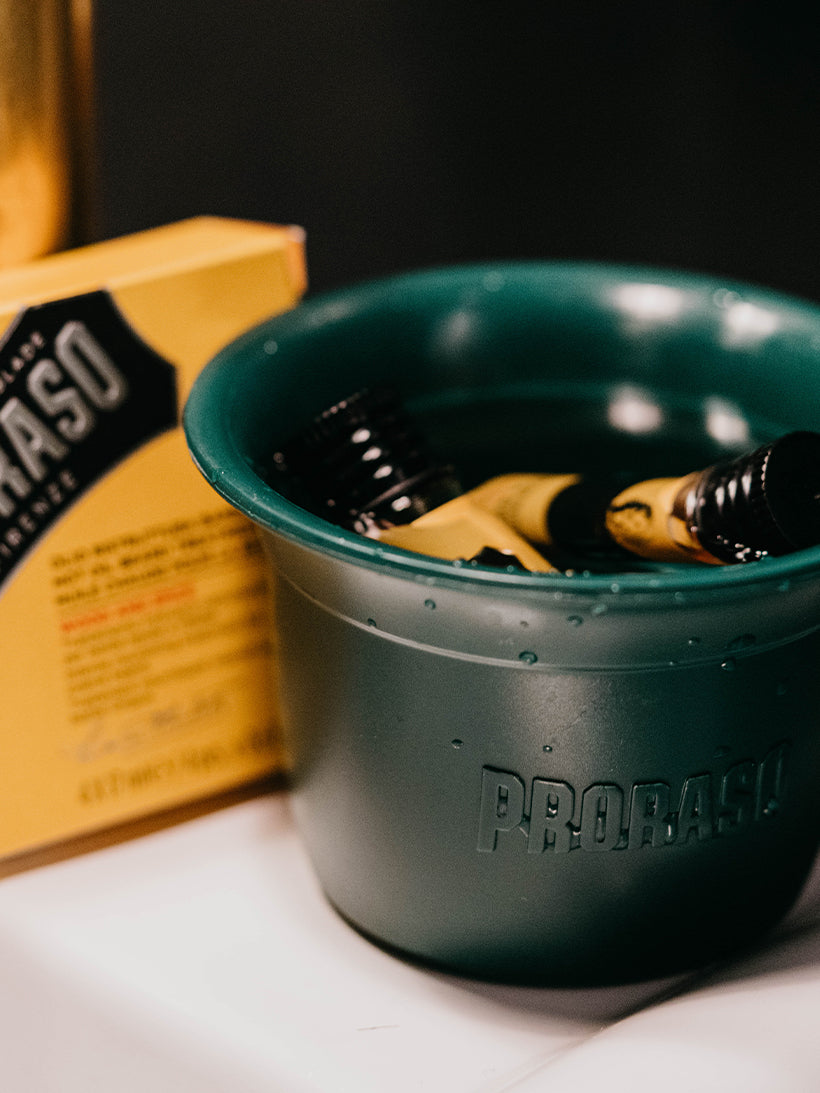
{"points": [[405, 133]]}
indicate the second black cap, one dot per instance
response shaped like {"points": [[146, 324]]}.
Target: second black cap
{"points": [[763, 503]]}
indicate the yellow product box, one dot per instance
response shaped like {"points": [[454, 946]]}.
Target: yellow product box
{"points": [[136, 657]]}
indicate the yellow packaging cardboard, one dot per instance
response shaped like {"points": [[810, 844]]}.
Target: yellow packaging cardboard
{"points": [[135, 646]]}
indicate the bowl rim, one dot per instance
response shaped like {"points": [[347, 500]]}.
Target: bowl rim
{"points": [[212, 446]]}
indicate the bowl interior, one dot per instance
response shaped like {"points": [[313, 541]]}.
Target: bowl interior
{"points": [[531, 366]]}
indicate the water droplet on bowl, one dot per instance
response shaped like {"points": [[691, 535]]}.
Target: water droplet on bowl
{"points": [[574, 620], [729, 664], [725, 297], [493, 282], [527, 657], [430, 604]]}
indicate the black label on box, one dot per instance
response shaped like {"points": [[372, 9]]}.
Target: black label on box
{"points": [[79, 391]]}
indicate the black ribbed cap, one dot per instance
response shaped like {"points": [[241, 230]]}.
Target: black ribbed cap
{"points": [[362, 463], [764, 503]]}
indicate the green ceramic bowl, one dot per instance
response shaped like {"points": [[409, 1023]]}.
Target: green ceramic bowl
{"points": [[538, 777]]}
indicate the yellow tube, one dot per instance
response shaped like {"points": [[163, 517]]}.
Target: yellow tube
{"points": [[648, 519], [523, 500], [463, 529]]}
